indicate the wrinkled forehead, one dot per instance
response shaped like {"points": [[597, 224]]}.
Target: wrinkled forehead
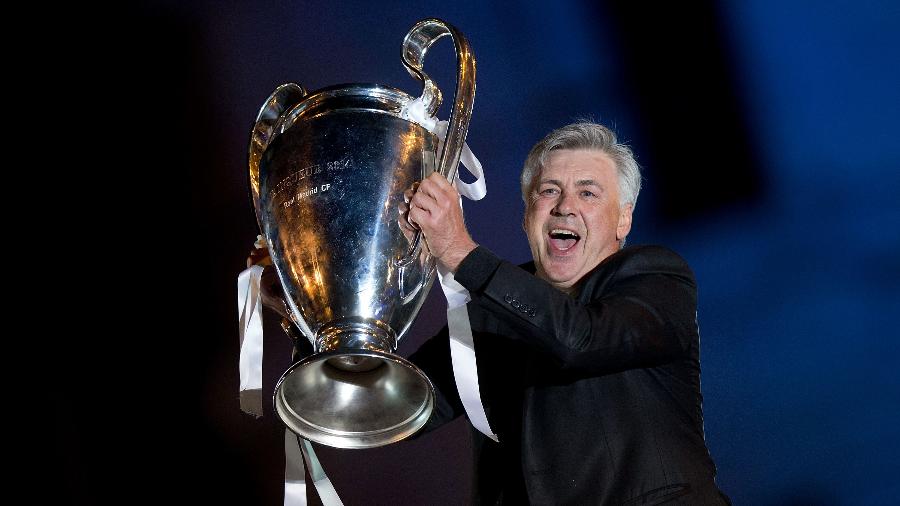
{"points": [[575, 165]]}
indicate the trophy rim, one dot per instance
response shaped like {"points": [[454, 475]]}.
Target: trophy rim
{"points": [[348, 439], [381, 99]]}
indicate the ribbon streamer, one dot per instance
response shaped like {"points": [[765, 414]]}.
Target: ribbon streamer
{"points": [[415, 111], [462, 344], [251, 334], [296, 451], [462, 352]]}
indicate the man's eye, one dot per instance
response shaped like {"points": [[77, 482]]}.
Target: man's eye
{"points": [[587, 193], [548, 191]]}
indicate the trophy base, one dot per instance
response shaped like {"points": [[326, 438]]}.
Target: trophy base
{"points": [[354, 398]]}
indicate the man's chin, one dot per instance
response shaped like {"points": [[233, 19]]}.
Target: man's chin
{"points": [[561, 271]]}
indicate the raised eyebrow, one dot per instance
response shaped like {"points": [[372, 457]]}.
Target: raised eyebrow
{"points": [[580, 182]]}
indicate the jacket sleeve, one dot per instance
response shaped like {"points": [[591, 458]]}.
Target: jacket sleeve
{"points": [[433, 357], [642, 314]]}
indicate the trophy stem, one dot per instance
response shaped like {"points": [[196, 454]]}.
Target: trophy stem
{"points": [[350, 335], [354, 392]]}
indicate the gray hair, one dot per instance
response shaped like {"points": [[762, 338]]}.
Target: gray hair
{"points": [[591, 136]]}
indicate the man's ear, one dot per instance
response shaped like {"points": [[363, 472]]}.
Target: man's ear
{"points": [[624, 225]]}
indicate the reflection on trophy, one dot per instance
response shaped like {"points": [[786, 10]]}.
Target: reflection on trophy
{"points": [[327, 173]]}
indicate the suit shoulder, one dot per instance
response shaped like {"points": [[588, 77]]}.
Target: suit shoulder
{"points": [[652, 259], [653, 252]]}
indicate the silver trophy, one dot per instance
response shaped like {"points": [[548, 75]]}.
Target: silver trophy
{"points": [[327, 174]]}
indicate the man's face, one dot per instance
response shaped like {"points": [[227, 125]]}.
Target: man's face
{"points": [[573, 220]]}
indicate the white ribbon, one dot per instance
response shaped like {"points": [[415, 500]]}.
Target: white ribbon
{"points": [[250, 366], [251, 334], [462, 345], [415, 111], [462, 352], [294, 472], [296, 451]]}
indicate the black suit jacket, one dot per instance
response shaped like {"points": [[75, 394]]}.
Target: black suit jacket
{"points": [[595, 397]]}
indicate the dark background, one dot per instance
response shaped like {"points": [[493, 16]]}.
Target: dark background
{"points": [[767, 131]]}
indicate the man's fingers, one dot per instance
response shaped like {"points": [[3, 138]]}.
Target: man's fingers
{"points": [[438, 179], [434, 189], [440, 189], [439, 183], [259, 256], [427, 192], [408, 194], [416, 215], [405, 222], [424, 198]]}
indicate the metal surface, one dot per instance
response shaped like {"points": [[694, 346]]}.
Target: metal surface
{"points": [[282, 99], [352, 409], [331, 173]]}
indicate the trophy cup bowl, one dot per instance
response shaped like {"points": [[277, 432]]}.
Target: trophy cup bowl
{"points": [[328, 170]]}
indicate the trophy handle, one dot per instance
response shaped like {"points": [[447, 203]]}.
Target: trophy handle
{"points": [[265, 129], [406, 268], [415, 46]]}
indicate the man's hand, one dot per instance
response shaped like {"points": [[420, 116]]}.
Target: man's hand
{"points": [[435, 210]]}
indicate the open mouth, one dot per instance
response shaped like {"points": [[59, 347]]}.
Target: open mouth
{"points": [[563, 239]]}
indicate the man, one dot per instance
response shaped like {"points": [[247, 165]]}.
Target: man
{"points": [[588, 358]]}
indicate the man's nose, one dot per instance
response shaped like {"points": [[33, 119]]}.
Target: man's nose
{"points": [[564, 206]]}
